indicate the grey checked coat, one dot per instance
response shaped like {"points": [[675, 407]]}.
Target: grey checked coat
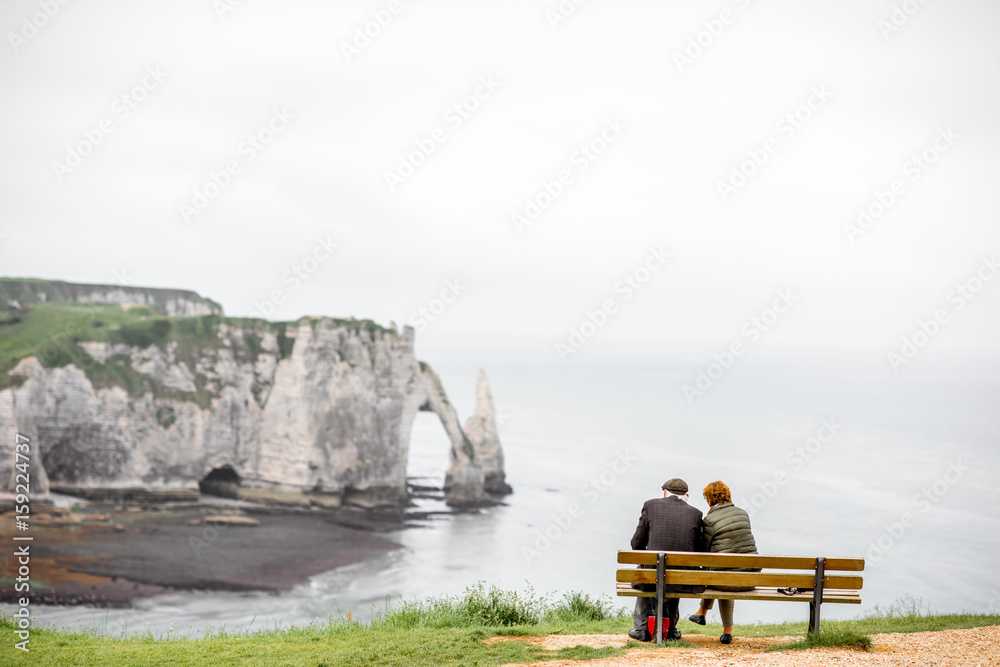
{"points": [[669, 524]]}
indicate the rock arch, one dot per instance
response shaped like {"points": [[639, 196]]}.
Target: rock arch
{"points": [[336, 417], [476, 459]]}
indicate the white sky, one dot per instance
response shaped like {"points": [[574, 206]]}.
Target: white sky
{"points": [[656, 184]]}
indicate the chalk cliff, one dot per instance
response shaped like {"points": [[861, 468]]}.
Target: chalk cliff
{"points": [[21, 293], [151, 402]]}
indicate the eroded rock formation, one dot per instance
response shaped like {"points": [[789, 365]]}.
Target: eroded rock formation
{"points": [[482, 432], [320, 405]]}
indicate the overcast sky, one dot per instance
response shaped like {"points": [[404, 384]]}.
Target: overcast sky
{"points": [[116, 114]]}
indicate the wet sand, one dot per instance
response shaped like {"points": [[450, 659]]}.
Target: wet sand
{"points": [[110, 555]]}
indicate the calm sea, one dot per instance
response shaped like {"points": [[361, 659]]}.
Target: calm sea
{"points": [[899, 469]]}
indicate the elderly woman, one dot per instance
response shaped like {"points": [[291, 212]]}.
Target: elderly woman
{"points": [[727, 530]]}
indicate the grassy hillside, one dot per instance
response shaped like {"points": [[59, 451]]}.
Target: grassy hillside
{"points": [[442, 631], [23, 292], [52, 332]]}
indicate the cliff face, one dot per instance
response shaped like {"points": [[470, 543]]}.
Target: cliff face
{"points": [[320, 405], [20, 293]]}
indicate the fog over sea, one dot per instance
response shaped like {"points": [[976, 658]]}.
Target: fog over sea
{"points": [[563, 428]]}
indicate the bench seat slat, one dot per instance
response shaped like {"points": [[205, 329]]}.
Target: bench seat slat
{"points": [[687, 559], [710, 577], [768, 593]]}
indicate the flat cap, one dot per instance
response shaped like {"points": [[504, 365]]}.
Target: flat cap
{"points": [[676, 485]]}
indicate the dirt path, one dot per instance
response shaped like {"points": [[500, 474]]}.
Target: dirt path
{"points": [[975, 646]]}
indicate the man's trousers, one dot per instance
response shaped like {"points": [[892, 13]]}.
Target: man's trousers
{"points": [[646, 607]]}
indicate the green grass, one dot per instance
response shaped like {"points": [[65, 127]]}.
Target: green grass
{"points": [[436, 631], [285, 344], [442, 631], [835, 637], [29, 291], [314, 646], [53, 333], [578, 606]]}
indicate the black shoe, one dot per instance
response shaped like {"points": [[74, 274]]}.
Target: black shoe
{"points": [[697, 618], [726, 638], [639, 635], [674, 634]]}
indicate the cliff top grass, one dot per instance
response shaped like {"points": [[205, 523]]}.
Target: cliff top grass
{"points": [[436, 631], [52, 332], [22, 292]]}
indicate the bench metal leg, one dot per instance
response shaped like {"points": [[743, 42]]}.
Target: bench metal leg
{"points": [[817, 595], [659, 598]]}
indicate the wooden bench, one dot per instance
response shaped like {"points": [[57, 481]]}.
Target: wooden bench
{"points": [[798, 572]]}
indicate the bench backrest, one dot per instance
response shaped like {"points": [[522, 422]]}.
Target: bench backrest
{"points": [[799, 571]]}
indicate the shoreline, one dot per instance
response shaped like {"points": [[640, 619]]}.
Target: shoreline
{"points": [[110, 555]]}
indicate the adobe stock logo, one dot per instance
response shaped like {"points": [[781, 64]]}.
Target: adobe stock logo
{"points": [[914, 168], [421, 318], [797, 457], [209, 534], [900, 16], [562, 12], [752, 329], [787, 126], [37, 21], [592, 490], [218, 181], [364, 34], [699, 43], [296, 274], [926, 330], [121, 109], [930, 495], [223, 7], [629, 285], [550, 190], [454, 117]]}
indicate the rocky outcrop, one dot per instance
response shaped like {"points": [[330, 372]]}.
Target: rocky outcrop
{"points": [[319, 406], [481, 430]]}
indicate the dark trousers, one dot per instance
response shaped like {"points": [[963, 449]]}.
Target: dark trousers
{"points": [[646, 607]]}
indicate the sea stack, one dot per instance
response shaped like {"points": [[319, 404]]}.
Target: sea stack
{"points": [[482, 431], [124, 399]]}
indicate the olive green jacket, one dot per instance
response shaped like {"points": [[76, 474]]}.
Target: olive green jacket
{"points": [[727, 530]]}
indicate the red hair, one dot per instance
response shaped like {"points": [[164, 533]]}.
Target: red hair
{"points": [[717, 492]]}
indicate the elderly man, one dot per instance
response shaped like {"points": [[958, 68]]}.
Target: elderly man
{"points": [[666, 524]]}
